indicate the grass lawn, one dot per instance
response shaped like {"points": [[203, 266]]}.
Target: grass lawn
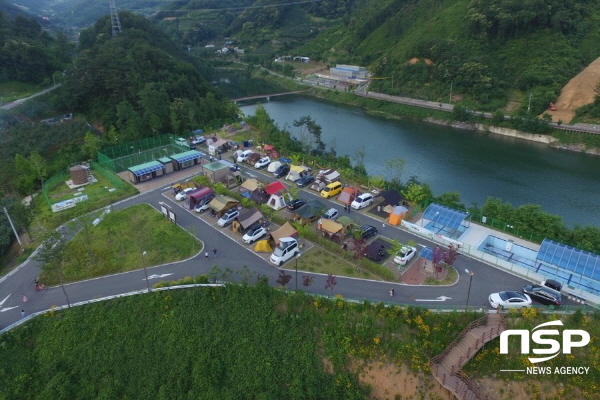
{"points": [[10, 91], [322, 261], [117, 243]]}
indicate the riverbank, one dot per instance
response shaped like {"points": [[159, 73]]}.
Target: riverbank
{"points": [[379, 105]]}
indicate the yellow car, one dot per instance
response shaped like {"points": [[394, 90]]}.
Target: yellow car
{"points": [[331, 190]]}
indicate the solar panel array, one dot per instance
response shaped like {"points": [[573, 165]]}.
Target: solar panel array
{"points": [[147, 168], [187, 156]]}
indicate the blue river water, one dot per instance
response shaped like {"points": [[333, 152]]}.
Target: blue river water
{"points": [[476, 164]]}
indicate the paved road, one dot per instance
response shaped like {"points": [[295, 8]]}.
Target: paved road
{"points": [[13, 104], [235, 256]]}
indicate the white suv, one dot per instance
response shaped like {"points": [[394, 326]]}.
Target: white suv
{"points": [[362, 201], [288, 248], [228, 217]]}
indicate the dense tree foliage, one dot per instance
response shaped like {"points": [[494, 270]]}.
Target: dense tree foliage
{"points": [[28, 53], [140, 82]]}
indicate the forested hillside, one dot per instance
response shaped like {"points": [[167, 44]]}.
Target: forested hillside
{"points": [[140, 82], [29, 54]]}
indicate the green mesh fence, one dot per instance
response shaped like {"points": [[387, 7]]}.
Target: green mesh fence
{"points": [[123, 156], [51, 182], [114, 179]]}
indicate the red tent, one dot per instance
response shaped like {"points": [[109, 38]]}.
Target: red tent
{"points": [[274, 187]]}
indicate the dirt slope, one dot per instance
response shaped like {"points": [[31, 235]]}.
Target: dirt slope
{"points": [[578, 92]]}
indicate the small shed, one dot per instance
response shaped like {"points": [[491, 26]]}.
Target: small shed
{"points": [[145, 172], [168, 163], [296, 172], [397, 215], [246, 219], [348, 195], [309, 212], [216, 171], [221, 203], [286, 230], [186, 159]]}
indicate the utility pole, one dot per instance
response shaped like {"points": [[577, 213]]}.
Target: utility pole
{"points": [[114, 18], [13, 228], [450, 100]]}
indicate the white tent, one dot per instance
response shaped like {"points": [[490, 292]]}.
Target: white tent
{"points": [[273, 166]]}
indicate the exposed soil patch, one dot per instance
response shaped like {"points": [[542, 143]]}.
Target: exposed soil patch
{"points": [[578, 92], [388, 381]]}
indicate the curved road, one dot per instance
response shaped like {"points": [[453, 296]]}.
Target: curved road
{"points": [[234, 255]]}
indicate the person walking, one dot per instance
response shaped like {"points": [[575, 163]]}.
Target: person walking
{"points": [[206, 254], [25, 298], [37, 285], [392, 292], [215, 251], [22, 313]]}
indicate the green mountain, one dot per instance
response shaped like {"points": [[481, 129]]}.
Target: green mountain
{"points": [[141, 82], [490, 52]]}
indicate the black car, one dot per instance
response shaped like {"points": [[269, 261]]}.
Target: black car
{"points": [[368, 231], [282, 171], [543, 295], [305, 180], [296, 204]]}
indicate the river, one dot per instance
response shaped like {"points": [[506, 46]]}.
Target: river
{"points": [[476, 164]]}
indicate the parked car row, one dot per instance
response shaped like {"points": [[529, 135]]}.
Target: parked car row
{"points": [[523, 299]]}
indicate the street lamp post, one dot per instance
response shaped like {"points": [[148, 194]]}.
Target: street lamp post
{"points": [[145, 270], [469, 291]]}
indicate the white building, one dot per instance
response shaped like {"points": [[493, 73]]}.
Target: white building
{"points": [[343, 71]]}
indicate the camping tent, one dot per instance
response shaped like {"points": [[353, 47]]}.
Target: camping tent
{"points": [[348, 195], [330, 228], [246, 219], [277, 192], [221, 203], [253, 158], [250, 184], [397, 215], [259, 196], [309, 212], [262, 246], [199, 194], [378, 250], [331, 176], [275, 187], [391, 197], [286, 230], [273, 166], [215, 145], [296, 172]]}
